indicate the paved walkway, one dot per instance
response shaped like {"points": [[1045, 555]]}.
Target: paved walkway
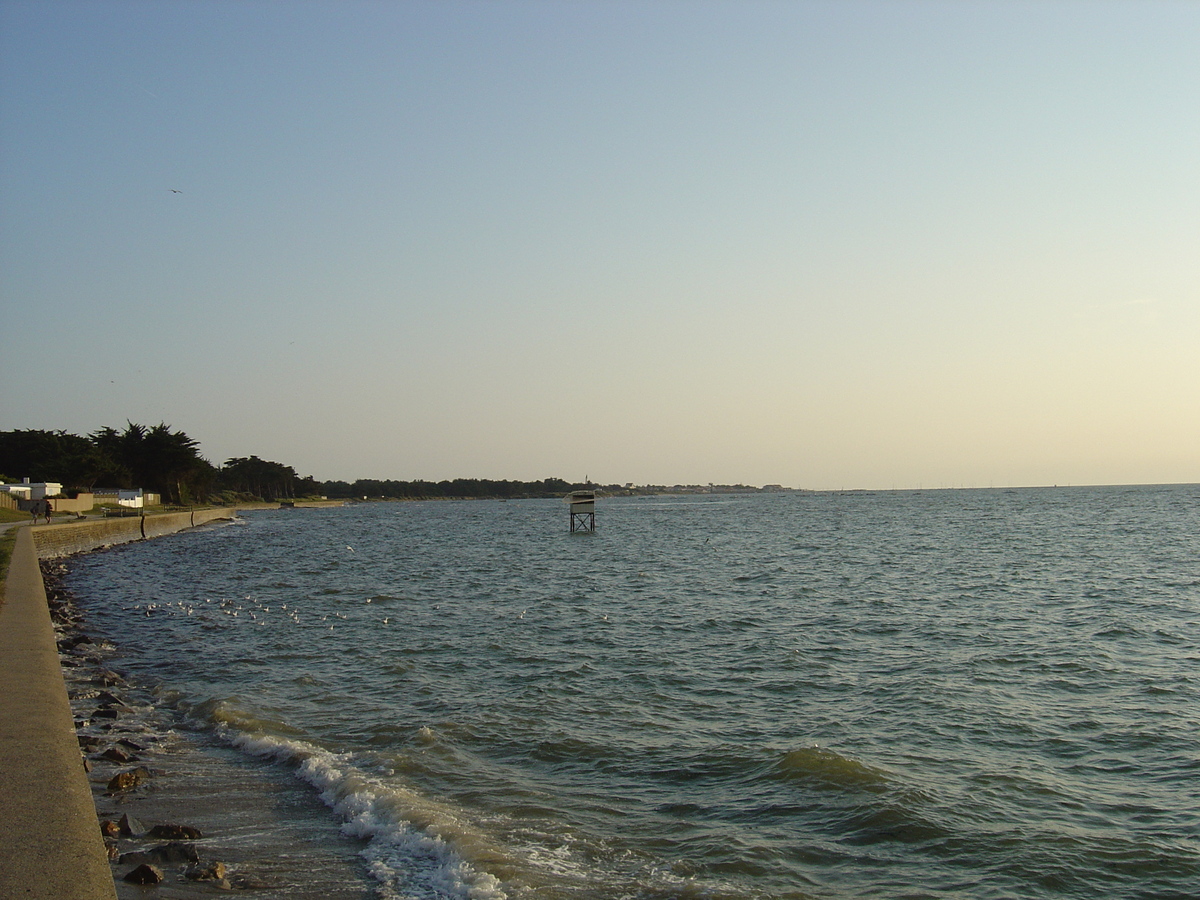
{"points": [[50, 844]]}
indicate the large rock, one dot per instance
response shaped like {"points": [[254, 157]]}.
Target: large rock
{"points": [[163, 854], [174, 833], [145, 874], [211, 872], [70, 643], [243, 882], [129, 826], [117, 755], [127, 781]]}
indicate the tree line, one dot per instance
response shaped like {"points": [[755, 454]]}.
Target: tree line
{"points": [[164, 461], [459, 487], [154, 458]]}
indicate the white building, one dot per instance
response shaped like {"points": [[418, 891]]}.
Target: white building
{"points": [[38, 491], [133, 499]]}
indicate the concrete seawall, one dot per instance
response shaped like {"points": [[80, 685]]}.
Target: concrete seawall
{"points": [[50, 843], [92, 534]]}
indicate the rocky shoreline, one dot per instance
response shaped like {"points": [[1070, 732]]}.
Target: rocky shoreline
{"points": [[119, 754], [163, 828]]}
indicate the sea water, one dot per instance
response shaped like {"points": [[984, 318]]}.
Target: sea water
{"points": [[975, 693]]}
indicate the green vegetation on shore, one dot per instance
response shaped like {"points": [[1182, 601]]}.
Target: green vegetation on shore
{"points": [[7, 540], [153, 458], [169, 463]]}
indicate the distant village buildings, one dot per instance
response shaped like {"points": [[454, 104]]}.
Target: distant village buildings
{"points": [[26, 493], [32, 491], [135, 498]]}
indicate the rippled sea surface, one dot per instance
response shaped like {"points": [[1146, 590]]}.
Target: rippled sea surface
{"points": [[978, 694]]}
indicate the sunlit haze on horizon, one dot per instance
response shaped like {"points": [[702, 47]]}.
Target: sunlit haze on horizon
{"points": [[826, 245]]}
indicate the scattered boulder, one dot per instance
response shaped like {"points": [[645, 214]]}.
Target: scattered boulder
{"points": [[174, 833], [111, 848], [70, 643], [126, 781], [109, 828], [212, 872], [163, 854], [131, 745], [88, 742], [241, 882], [145, 874], [105, 712], [129, 826], [117, 755]]}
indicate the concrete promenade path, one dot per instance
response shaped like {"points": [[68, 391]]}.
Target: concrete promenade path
{"points": [[50, 843]]}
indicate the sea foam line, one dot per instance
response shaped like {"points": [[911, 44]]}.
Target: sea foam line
{"points": [[410, 859]]}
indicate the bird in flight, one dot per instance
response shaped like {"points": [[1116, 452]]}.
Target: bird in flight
{"points": [[173, 191]]}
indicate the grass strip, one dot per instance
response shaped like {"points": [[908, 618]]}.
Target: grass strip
{"points": [[7, 540]]}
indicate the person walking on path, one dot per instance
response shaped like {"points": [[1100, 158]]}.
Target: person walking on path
{"points": [[48, 509]]}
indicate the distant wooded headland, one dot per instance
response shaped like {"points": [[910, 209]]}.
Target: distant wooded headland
{"points": [[167, 462]]}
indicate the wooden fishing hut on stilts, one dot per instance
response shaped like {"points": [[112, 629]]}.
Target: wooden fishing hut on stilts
{"points": [[583, 510]]}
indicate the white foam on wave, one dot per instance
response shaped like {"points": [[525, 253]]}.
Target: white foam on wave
{"points": [[410, 840], [217, 524]]}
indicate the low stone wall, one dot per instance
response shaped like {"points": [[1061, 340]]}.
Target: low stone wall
{"points": [[65, 538], [81, 504], [169, 523]]}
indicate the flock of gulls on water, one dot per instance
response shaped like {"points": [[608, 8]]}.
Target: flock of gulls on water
{"points": [[212, 610], [247, 608]]}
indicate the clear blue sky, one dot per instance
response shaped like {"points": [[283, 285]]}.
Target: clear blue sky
{"points": [[849, 244]]}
